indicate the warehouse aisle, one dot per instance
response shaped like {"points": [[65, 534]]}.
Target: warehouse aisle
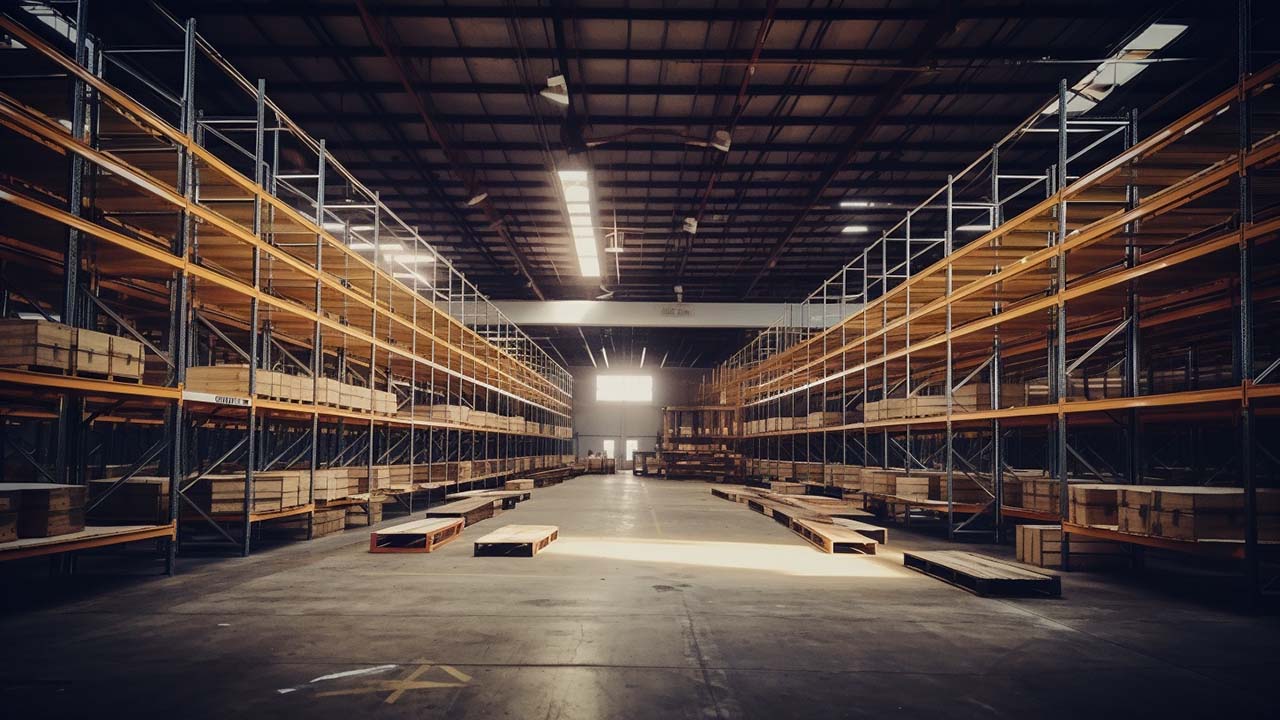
{"points": [[657, 601]]}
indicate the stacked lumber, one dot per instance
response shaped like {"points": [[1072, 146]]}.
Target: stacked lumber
{"points": [[1041, 545], [273, 491], [38, 510], [338, 482], [365, 515], [54, 347]]}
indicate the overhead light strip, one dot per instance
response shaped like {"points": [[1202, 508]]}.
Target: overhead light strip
{"points": [[575, 187]]}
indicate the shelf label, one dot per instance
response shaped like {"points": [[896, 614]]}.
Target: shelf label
{"points": [[192, 396]]}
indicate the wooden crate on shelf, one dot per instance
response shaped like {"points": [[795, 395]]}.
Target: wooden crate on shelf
{"points": [[141, 500], [365, 515], [36, 345], [1095, 504], [234, 380], [92, 355], [1133, 514], [1041, 545], [384, 402], [126, 358], [45, 509], [1210, 513]]}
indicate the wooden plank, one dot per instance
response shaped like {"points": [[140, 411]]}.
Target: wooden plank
{"points": [[508, 498], [419, 536], [982, 575], [834, 538], [90, 537], [516, 541]]}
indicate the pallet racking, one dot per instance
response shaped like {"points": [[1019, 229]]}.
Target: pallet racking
{"points": [[158, 194], [697, 442], [1111, 317]]}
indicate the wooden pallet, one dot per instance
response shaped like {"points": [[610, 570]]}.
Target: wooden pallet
{"points": [[516, 541], [509, 498], [521, 484], [875, 532], [419, 536], [471, 510], [834, 538], [983, 575]]}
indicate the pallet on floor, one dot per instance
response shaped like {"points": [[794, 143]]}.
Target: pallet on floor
{"points": [[875, 532], [509, 498], [832, 538], [982, 575], [471, 510], [419, 536], [516, 541]]}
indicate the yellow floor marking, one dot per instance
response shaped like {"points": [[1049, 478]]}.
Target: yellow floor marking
{"points": [[398, 688]]}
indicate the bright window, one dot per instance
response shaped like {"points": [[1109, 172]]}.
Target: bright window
{"points": [[624, 388], [608, 449], [632, 447]]}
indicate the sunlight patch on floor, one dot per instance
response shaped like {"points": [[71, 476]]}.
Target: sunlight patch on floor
{"points": [[798, 560]]}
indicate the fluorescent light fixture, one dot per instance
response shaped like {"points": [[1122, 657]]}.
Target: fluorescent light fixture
{"points": [[850, 229], [856, 204], [1126, 64], [604, 354], [576, 188], [557, 90], [973, 228], [642, 350]]}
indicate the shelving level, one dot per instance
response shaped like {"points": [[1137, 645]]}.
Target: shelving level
{"points": [[1110, 319], [698, 443], [302, 346]]}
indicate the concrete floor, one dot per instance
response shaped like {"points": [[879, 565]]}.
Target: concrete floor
{"points": [[657, 601]]}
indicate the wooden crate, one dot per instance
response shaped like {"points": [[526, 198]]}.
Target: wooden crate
{"points": [[141, 500], [1209, 513], [234, 380], [1095, 504], [1041, 545], [1134, 510], [36, 345], [127, 359], [272, 491], [46, 509]]}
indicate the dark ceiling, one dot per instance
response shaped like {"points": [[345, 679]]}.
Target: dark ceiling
{"points": [[873, 101]]}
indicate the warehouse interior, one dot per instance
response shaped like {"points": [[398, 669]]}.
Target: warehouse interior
{"points": [[639, 358]]}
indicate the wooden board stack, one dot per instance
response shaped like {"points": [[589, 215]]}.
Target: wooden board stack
{"points": [[273, 491]]}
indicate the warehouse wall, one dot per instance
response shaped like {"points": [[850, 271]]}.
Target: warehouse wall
{"points": [[594, 422]]}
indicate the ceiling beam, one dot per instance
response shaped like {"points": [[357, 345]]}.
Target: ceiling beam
{"points": [[1061, 10], [671, 121], [311, 87]]}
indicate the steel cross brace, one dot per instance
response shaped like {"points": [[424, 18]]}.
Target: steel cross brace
{"points": [[93, 297], [151, 454]]}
